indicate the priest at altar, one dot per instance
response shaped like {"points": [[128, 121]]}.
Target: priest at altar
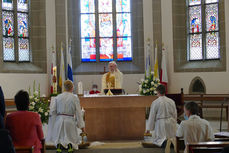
{"points": [[113, 78]]}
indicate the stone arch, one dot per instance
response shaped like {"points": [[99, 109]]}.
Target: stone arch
{"points": [[197, 86]]}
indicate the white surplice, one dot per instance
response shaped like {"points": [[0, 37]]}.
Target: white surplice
{"points": [[118, 80], [195, 129], [162, 120], [65, 118]]}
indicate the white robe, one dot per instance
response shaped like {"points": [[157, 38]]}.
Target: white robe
{"points": [[162, 120], [62, 128], [195, 129], [118, 80]]}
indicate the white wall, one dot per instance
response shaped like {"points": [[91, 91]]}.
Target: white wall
{"points": [[216, 82]]}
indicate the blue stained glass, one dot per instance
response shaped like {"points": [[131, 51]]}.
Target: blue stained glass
{"points": [[87, 25], [7, 4], [8, 49], [8, 23], [195, 19], [23, 29], [87, 6], [105, 6], [105, 25], [88, 49], [23, 49], [123, 5], [194, 2], [124, 49], [212, 17], [123, 25], [106, 49], [22, 5]]}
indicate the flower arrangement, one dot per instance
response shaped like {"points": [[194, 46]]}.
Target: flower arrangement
{"points": [[39, 104], [148, 85]]}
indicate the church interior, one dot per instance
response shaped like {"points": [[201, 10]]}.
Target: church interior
{"points": [[182, 44]]}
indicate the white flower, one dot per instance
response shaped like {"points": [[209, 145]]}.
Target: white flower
{"points": [[35, 93], [152, 83], [40, 110], [36, 99], [142, 80], [30, 97], [33, 103], [155, 92], [146, 81], [31, 107], [151, 89], [152, 72], [43, 95], [147, 90], [144, 91], [46, 114]]}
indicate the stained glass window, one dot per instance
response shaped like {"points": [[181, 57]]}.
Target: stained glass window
{"points": [[199, 35], [23, 29], [106, 49], [106, 29], [23, 49], [88, 48], [105, 25], [7, 4], [22, 5], [8, 23], [8, 49], [105, 6], [123, 5], [18, 35]]}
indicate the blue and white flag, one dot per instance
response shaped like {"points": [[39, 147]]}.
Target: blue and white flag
{"points": [[69, 62]]}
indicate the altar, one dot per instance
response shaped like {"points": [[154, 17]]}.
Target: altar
{"points": [[115, 117]]}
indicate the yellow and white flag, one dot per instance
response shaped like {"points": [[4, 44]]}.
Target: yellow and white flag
{"points": [[62, 69], [156, 73]]}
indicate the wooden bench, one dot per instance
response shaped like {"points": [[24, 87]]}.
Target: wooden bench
{"points": [[24, 149], [207, 147]]}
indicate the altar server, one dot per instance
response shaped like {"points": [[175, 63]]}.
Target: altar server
{"points": [[162, 118], [113, 78], [194, 129], [65, 118]]}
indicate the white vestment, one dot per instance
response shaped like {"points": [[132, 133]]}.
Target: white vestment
{"points": [[195, 129], [162, 119], [65, 118], [118, 80]]}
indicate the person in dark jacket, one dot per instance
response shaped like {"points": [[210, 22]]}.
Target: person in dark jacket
{"points": [[2, 108], [6, 145]]}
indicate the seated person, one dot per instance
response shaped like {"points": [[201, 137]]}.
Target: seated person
{"points": [[6, 144], [162, 118], [194, 129], [94, 89], [113, 78], [2, 108], [65, 117], [25, 127]]}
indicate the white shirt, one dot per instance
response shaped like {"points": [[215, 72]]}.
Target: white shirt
{"points": [[195, 129], [162, 119], [65, 118]]}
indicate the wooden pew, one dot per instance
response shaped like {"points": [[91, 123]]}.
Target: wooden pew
{"points": [[24, 149], [207, 147]]}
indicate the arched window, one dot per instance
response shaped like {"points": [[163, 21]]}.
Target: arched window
{"points": [[203, 30], [15, 27], [106, 30]]}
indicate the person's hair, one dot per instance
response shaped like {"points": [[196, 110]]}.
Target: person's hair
{"points": [[161, 89], [192, 107], [22, 100], [68, 85], [94, 86]]}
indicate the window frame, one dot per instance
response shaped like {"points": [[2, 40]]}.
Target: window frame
{"points": [[16, 38], [114, 36], [204, 32]]}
